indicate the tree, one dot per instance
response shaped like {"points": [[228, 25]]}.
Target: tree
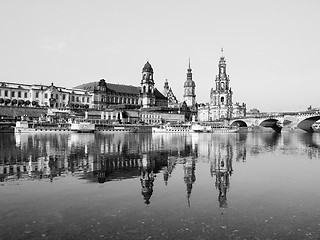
{"points": [[27, 103], [1, 100], [7, 101], [14, 102], [34, 103], [20, 102]]}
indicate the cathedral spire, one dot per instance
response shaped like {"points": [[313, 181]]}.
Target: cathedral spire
{"points": [[189, 88]]}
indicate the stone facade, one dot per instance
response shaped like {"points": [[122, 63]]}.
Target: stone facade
{"points": [[17, 94], [109, 95], [168, 93], [189, 89], [221, 105]]}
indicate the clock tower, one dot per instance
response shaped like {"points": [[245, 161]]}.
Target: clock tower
{"points": [[147, 96], [221, 96], [189, 89]]}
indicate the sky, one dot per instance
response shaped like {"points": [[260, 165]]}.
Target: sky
{"points": [[271, 47]]}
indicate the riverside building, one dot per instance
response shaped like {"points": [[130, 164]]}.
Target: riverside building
{"points": [[97, 100], [221, 106]]}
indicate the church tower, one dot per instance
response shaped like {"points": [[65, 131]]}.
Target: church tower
{"points": [[189, 89], [147, 96], [221, 96]]}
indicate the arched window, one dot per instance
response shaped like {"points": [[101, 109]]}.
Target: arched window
{"points": [[144, 89], [222, 100]]}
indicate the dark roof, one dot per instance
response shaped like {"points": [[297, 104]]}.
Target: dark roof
{"points": [[158, 94], [189, 83], [111, 87], [147, 67], [119, 88]]}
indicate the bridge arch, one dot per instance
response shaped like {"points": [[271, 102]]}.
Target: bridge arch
{"points": [[239, 123], [271, 123], [307, 123]]}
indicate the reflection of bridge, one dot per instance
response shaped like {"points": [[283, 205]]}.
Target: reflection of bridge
{"points": [[301, 121]]}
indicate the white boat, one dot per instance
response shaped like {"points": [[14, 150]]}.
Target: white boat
{"points": [[193, 128], [196, 127], [224, 129], [83, 127], [25, 127], [178, 128]]}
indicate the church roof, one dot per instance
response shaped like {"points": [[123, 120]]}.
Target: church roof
{"points": [[158, 94], [147, 67], [189, 83], [111, 87], [117, 88]]}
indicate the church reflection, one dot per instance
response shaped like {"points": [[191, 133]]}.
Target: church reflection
{"points": [[189, 167], [147, 176], [221, 169], [168, 169], [100, 159]]}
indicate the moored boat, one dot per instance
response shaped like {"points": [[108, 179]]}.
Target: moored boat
{"points": [[83, 127], [175, 128], [196, 127], [114, 129], [225, 129], [193, 128], [25, 127]]}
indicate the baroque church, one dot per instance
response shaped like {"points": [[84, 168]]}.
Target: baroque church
{"points": [[108, 95], [221, 105]]}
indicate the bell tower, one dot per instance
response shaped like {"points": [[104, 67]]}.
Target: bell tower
{"points": [[221, 96], [189, 89], [147, 97]]}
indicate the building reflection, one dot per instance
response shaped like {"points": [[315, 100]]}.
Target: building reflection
{"points": [[101, 158], [168, 169], [221, 169], [147, 176], [189, 167]]}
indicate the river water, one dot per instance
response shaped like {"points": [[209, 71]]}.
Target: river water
{"points": [[160, 186]]}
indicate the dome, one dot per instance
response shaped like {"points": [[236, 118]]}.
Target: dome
{"points": [[147, 67], [189, 83]]}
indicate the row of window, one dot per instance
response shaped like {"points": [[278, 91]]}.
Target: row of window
{"points": [[73, 98], [151, 121], [13, 94], [150, 116], [119, 100], [19, 94]]}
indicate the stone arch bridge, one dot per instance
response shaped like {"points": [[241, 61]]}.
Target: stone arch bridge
{"points": [[300, 121]]}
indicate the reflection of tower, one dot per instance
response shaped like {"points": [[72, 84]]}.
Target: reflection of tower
{"points": [[189, 167], [101, 173], [146, 178], [221, 167], [53, 167], [168, 170]]}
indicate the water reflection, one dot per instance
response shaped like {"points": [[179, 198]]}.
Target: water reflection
{"points": [[189, 168], [221, 168], [100, 158]]}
